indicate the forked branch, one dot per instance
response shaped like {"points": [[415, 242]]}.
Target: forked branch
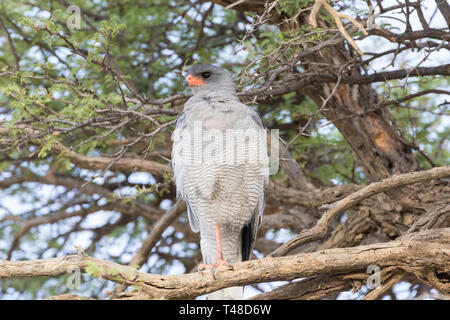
{"points": [[312, 20]]}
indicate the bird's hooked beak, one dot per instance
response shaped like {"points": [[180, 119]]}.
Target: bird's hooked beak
{"points": [[193, 81]]}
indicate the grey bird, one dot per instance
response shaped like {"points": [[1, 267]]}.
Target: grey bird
{"points": [[220, 165]]}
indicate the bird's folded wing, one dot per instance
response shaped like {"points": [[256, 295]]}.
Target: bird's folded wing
{"points": [[179, 168]]}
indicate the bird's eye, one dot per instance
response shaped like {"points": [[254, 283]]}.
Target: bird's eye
{"points": [[206, 75]]}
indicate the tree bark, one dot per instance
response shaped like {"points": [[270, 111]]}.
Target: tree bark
{"points": [[376, 143], [424, 254]]}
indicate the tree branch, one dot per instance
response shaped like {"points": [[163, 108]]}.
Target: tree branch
{"points": [[320, 229], [337, 18], [427, 250], [100, 162]]}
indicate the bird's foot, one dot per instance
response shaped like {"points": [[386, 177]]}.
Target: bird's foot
{"points": [[212, 267], [224, 262]]}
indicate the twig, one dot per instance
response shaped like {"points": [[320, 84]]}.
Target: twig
{"points": [[337, 18], [11, 43], [234, 4]]}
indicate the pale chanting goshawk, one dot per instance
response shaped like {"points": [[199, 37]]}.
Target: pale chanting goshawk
{"points": [[220, 164]]}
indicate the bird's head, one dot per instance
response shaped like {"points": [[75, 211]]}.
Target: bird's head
{"points": [[205, 78]]}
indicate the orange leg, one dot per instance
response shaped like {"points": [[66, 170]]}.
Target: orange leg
{"points": [[220, 258], [218, 244]]}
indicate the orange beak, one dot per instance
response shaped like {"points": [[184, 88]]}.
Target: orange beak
{"points": [[194, 81]]}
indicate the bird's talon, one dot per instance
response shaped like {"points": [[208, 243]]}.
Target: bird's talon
{"points": [[230, 265], [212, 273], [202, 267]]}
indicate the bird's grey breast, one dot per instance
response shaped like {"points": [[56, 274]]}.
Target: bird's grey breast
{"points": [[224, 185], [216, 112]]}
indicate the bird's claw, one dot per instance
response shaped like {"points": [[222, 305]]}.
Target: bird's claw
{"points": [[230, 264], [202, 267], [225, 262]]}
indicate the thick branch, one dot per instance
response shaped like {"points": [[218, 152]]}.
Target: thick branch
{"points": [[444, 7], [320, 229], [428, 249], [310, 289]]}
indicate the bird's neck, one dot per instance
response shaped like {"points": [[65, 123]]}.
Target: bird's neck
{"points": [[218, 93]]}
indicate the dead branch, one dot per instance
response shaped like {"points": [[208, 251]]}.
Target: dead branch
{"points": [[417, 251], [310, 288], [337, 18], [320, 229]]}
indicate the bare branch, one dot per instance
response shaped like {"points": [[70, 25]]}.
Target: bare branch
{"points": [[320, 229], [412, 253], [337, 18]]}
